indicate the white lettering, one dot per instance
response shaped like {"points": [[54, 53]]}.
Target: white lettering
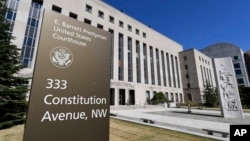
{"points": [[64, 116]]}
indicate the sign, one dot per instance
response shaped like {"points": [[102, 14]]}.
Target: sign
{"points": [[69, 98], [228, 89], [239, 132]]}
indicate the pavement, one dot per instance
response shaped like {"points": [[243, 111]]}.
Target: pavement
{"points": [[179, 119]]}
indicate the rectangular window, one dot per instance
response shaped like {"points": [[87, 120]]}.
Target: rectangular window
{"points": [[112, 54], [163, 69], [87, 21], [152, 65], [100, 26], [111, 19], [145, 60], [176, 97], [202, 75], [120, 55], [158, 67], [137, 32], [172, 97], [238, 72], [181, 98], [185, 58], [144, 35], [88, 8], [130, 65], [100, 14], [173, 70], [56, 9], [236, 58], [177, 72], [138, 63], [240, 81], [120, 23], [166, 95], [129, 28], [169, 73], [73, 15], [189, 97], [237, 65]]}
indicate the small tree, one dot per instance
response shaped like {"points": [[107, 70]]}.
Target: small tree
{"points": [[159, 98], [12, 88], [245, 95], [210, 95]]}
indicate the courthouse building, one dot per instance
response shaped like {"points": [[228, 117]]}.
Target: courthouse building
{"points": [[197, 71], [143, 61]]}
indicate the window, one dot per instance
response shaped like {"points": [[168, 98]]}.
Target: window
{"points": [[145, 58], [186, 67], [185, 58], [177, 97], [130, 61], [187, 76], [111, 19], [188, 85], [236, 58], [100, 14], [152, 65], [240, 81], [138, 63], [237, 65], [30, 34], [100, 26], [158, 66], [73, 15], [129, 28], [137, 32], [144, 35], [87, 21], [88, 8], [238, 72], [121, 57], [120, 23], [172, 97], [56, 9], [189, 97]]}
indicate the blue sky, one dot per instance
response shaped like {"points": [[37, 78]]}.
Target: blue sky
{"points": [[193, 23]]}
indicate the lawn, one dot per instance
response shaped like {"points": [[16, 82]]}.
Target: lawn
{"points": [[120, 131]]}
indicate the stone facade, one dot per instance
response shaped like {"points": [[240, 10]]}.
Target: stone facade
{"points": [[143, 61]]}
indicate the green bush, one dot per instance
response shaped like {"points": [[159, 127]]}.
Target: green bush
{"points": [[11, 123], [159, 98]]}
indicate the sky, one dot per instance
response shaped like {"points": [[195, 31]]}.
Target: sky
{"points": [[193, 23]]}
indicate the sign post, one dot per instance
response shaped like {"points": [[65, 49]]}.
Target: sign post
{"points": [[69, 98]]}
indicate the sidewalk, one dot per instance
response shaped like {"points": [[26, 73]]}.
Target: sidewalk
{"points": [[180, 120]]}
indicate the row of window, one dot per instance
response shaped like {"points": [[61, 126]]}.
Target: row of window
{"points": [[89, 9], [200, 59], [166, 64], [206, 75]]}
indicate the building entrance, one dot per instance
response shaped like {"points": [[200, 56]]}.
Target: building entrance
{"points": [[122, 97], [131, 97], [112, 96]]}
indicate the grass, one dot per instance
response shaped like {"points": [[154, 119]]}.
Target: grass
{"points": [[120, 131]]}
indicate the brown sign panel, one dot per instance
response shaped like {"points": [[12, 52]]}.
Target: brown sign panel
{"points": [[69, 98]]}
